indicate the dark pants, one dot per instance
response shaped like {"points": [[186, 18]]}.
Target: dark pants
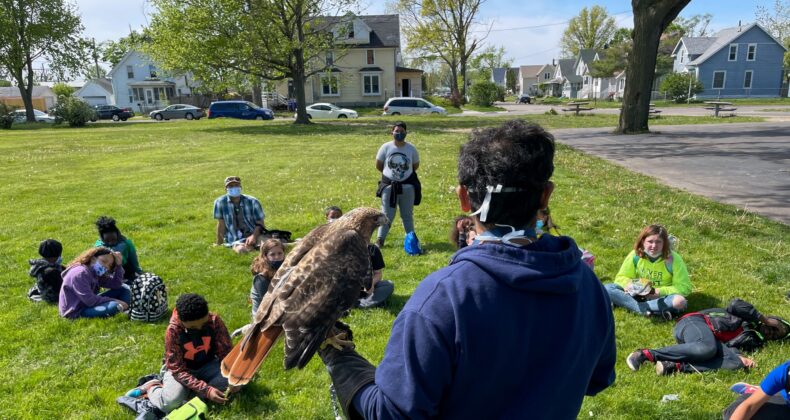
{"points": [[697, 349], [775, 408]]}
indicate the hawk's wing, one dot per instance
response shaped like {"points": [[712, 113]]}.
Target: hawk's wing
{"points": [[325, 283]]}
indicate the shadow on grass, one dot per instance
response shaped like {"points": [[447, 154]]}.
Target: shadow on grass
{"points": [[256, 399], [700, 301]]}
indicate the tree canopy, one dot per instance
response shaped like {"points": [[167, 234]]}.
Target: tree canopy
{"points": [[592, 28], [777, 22]]}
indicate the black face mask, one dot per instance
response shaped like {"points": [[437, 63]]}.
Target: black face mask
{"points": [[198, 332], [276, 264]]}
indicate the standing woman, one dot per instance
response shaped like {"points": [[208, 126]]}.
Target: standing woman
{"points": [[94, 268], [398, 162]]}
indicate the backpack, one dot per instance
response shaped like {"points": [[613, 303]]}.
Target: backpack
{"points": [[193, 409], [411, 244], [149, 298]]}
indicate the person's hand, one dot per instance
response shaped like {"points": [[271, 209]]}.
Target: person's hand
{"points": [[250, 242], [118, 258], [747, 362], [216, 396], [233, 389], [772, 322]]}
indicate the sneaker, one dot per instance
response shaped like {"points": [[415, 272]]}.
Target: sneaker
{"points": [[743, 388], [635, 360], [666, 368], [143, 389], [665, 315]]}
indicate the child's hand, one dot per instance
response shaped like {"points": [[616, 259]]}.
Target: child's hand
{"points": [[214, 395]]}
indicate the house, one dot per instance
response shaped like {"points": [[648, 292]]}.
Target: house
{"points": [[96, 92], [743, 61], [532, 78], [565, 82], [617, 89], [594, 87], [43, 97], [365, 69], [138, 84], [499, 75]]}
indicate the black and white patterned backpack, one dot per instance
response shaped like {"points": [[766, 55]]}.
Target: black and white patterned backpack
{"points": [[149, 298]]}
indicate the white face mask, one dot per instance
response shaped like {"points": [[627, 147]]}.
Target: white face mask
{"points": [[654, 255]]}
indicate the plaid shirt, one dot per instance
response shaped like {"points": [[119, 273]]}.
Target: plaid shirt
{"points": [[251, 212]]}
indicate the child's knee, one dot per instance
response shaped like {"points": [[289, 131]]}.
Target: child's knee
{"points": [[680, 303]]}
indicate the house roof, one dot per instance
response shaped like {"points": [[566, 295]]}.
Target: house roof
{"points": [[567, 68], [385, 30], [547, 67], [103, 83], [498, 74], [587, 55], [531, 70], [38, 91], [725, 37], [695, 45], [374, 68], [400, 69]]}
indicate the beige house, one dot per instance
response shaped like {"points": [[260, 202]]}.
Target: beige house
{"points": [[532, 77], [366, 71]]}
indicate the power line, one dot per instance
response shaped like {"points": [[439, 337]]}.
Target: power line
{"points": [[519, 28]]}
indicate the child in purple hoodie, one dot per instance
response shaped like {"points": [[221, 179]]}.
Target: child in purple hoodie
{"points": [[94, 268]]}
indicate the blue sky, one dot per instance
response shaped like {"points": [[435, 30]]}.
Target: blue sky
{"points": [[529, 30]]}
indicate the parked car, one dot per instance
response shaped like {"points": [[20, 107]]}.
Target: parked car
{"points": [[329, 111], [20, 116], [177, 111], [411, 106], [524, 99], [112, 112], [239, 109]]}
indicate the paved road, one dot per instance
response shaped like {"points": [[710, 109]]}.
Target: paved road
{"points": [[747, 165]]}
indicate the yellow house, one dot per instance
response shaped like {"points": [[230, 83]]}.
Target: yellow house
{"points": [[366, 71]]}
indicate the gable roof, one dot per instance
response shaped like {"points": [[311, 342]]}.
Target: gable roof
{"points": [[121, 63], [567, 68], [587, 56], [694, 45], [103, 83], [384, 29], [38, 91], [499, 74], [531, 70], [725, 37]]}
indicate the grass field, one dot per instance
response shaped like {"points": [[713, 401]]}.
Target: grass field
{"points": [[159, 181]]}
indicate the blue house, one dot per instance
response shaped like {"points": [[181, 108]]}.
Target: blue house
{"points": [[744, 61]]}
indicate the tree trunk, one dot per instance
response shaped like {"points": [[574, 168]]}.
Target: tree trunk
{"points": [[256, 92], [651, 17], [26, 90], [455, 95], [299, 81], [463, 81]]}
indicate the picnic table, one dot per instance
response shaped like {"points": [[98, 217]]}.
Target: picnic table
{"points": [[719, 106], [652, 111], [577, 107]]}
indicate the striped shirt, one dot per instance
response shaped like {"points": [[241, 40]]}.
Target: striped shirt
{"points": [[249, 211]]}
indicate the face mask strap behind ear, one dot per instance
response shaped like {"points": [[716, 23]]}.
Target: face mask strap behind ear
{"points": [[483, 210]]}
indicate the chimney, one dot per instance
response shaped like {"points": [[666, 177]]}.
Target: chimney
{"points": [[552, 62], [739, 26]]}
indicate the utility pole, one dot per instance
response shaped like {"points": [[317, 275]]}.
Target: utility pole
{"points": [[95, 58]]}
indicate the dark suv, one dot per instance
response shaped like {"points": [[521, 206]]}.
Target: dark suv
{"points": [[112, 112], [524, 99], [239, 109]]}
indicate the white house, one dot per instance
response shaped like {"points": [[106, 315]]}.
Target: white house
{"points": [[595, 87], [138, 84], [96, 92]]}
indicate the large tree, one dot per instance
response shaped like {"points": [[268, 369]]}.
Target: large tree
{"points": [[489, 58], [32, 30], [443, 28], [777, 22], [113, 51], [592, 28], [651, 18], [247, 39]]}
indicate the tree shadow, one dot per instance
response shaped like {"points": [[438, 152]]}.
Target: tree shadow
{"points": [[255, 398]]}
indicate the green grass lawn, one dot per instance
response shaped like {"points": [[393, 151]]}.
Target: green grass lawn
{"points": [[159, 182]]}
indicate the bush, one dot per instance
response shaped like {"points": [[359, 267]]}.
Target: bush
{"points": [[74, 111], [439, 101], [6, 116], [485, 93], [550, 100], [62, 89], [676, 85]]}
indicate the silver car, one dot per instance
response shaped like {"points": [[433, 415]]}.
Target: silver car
{"points": [[177, 111], [20, 116]]}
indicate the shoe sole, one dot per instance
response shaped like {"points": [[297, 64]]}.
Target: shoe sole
{"points": [[630, 364], [660, 369]]}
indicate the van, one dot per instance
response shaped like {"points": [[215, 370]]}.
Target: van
{"points": [[411, 106], [239, 109]]}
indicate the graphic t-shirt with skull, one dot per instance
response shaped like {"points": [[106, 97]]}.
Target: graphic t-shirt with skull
{"points": [[398, 161]]}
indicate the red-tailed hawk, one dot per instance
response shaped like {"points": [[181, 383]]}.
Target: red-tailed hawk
{"points": [[319, 280]]}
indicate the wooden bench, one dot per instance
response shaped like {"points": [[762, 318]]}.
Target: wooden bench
{"points": [[577, 109], [654, 112]]}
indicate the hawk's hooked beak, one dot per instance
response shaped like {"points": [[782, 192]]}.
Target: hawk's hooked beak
{"points": [[382, 220]]}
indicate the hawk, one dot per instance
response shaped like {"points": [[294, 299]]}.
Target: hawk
{"points": [[318, 282]]}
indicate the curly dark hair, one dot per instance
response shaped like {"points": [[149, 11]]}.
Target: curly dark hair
{"points": [[106, 224], [514, 155], [400, 124], [191, 307]]}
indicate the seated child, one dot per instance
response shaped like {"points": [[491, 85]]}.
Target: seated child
{"points": [[380, 290], [263, 268], [196, 341], [653, 279], [111, 237], [462, 232], [768, 401], [93, 269], [47, 272]]}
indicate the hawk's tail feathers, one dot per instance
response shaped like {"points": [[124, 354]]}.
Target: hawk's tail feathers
{"points": [[240, 365]]}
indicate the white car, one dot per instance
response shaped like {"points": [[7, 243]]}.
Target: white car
{"points": [[20, 116], [323, 110], [411, 106]]}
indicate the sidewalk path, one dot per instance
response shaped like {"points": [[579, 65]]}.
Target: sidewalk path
{"points": [[747, 165]]}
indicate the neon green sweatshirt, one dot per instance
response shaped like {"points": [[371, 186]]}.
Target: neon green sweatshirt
{"points": [[667, 283]]}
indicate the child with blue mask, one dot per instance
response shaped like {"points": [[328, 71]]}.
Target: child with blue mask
{"points": [[47, 272], [94, 269]]}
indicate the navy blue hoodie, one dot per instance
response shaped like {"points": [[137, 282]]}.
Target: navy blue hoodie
{"points": [[502, 332]]}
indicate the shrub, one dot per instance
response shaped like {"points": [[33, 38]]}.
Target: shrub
{"points": [[6, 116], [550, 100], [74, 111], [676, 85], [485, 93], [62, 89]]}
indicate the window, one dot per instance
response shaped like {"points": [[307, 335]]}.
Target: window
{"points": [[733, 52], [151, 71], [351, 34], [131, 95], [330, 58], [130, 72], [330, 85], [747, 79], [751, 52], [718, 79], [546, 76], [370, 84], [371, 57], [139, 95], [681, 57]]}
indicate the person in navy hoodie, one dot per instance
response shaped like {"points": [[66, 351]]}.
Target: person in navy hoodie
{"points": [[514, 327]]}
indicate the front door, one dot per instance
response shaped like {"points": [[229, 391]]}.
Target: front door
{"points": [[405, 85], [149, 96]]}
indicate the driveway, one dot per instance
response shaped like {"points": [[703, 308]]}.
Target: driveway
{"points": [[747, 165]]}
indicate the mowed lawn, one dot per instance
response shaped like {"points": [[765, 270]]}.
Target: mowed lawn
{"points": [[159, 181]]}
